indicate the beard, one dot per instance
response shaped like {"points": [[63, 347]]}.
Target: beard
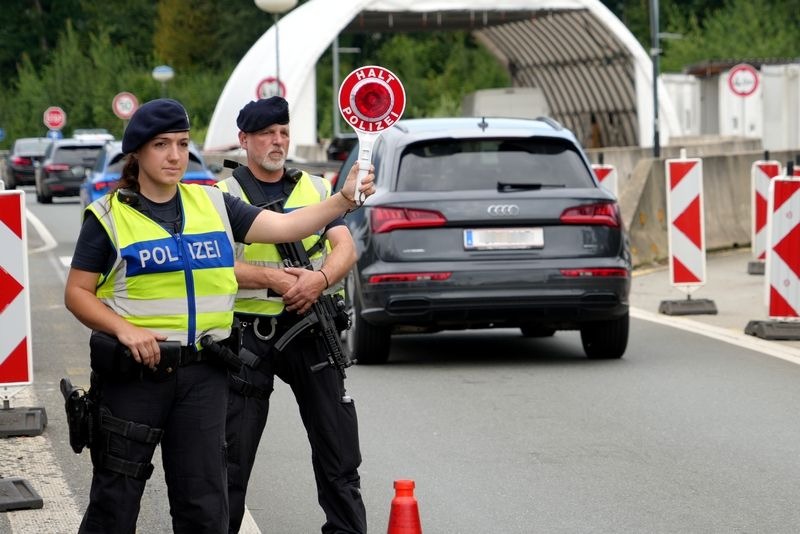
{"points": [[272, 165]]}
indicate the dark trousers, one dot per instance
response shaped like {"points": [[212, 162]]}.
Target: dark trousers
{"points": [[330, 423], [190, 408]]}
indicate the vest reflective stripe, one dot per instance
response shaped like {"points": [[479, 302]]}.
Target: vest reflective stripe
{"points": [[181, 286], [309, 190]]}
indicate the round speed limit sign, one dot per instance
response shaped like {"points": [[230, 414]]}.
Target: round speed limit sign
{"points": [[124, 105]]}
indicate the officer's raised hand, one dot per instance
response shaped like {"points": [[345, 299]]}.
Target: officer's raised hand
{"points": [[367, 185]]}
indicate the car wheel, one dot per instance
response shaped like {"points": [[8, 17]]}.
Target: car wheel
{"points": [[368, 344], [536, 331], [41, 199], [605, 339], [9, 182]]}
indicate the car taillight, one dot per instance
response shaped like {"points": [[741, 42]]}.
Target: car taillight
{"points": [[408, 277], [602, 213], [19, 160], [104, 186], [387, 219], [56, 167], [601, 272]]}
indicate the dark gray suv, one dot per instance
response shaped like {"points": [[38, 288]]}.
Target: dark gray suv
{"points": [[64, 168], [486, 223]]}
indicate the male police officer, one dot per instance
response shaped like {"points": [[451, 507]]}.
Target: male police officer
{"points": [[271, 299]]}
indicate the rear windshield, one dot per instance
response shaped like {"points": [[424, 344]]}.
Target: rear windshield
{"points": [[31, 147], [77, 155], [473, 164]]}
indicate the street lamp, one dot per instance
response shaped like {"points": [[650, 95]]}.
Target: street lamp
{"points": [[336, 50], [655, 53], [163, 74], [276, 7]]}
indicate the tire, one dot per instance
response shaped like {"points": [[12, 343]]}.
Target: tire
{"points": [[536, 331], [368, 344], [41, 199], [605, 340]]}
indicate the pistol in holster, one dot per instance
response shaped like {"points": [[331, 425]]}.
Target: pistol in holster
{"points": [[113, 361], [82, 415]]}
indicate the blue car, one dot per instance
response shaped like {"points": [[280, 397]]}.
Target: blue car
{"points": [[103, 177]]}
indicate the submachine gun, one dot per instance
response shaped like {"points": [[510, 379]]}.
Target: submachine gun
{"points": [[327, 315]]}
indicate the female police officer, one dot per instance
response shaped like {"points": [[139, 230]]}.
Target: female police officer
{"points": [[154, 262]]}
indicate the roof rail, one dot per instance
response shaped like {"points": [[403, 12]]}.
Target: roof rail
{"points": [[552, 122]]}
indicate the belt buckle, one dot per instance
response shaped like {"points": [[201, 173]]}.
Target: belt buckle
{"points": [[273, 323]]}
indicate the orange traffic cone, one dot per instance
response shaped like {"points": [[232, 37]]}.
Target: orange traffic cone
{"points": [[404, 516]]}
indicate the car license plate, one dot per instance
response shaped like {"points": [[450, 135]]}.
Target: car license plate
{"points": [[503, 238]]}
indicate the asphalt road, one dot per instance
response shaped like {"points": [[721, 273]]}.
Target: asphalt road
{"points": [[694, 430]]}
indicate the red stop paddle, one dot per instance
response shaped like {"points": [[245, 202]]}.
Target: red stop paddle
{"points": [[371, 99]]}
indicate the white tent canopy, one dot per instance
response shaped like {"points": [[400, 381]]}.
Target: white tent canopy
{"points": [[307, 31]]}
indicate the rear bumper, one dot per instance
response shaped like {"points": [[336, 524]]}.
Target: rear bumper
{"points": [[62, 188], [554, 301]]}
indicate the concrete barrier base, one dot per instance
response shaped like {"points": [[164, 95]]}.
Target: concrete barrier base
{"points": [[775, 330], [17, 494], [688, 307], [755, 267]]}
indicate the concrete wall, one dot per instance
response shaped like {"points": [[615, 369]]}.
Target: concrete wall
{"points": [[727, 202]]}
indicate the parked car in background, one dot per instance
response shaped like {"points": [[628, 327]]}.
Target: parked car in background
{"points": [[25, 154], [103, 177], [64, 168], [92, 134], [486, 223]]}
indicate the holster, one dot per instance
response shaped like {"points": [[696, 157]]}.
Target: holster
{"points": [[112, 360], [81, 415]]}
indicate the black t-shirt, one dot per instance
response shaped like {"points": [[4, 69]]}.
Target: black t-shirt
{"points": [[94, 252]]}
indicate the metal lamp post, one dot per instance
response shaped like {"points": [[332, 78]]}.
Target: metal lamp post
{"points": [[276, 7], [655, 53], [163, 74]]}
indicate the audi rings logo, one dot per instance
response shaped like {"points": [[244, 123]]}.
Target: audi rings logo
{"points": [[503, 210]]}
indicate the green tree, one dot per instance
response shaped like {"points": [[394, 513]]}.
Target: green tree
{"points": [[740, 29]]}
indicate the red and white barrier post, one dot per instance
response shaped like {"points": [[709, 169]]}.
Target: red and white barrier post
{"points": [[761, 173], [607, 176], [782, 286], [686, 235], [16, 365]]}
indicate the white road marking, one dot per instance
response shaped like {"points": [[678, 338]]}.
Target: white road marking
{"points": [[734, 337], [49, 241]]}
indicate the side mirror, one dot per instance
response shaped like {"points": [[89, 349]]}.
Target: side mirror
{"points": [[216, 168]]}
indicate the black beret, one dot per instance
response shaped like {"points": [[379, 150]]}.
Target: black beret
{"points": [[259, 114], [158, 116]]}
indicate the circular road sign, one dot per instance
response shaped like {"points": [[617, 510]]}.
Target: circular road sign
{"points": [[743, 80], [54, 118], [124, 105], [371, 99], [270, 86]]}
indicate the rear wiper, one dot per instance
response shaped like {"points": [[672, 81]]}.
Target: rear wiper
{"points": [[503, 187]]}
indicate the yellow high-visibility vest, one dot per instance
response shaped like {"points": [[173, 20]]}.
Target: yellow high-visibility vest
{"points": [[308, 190], [183, 285]]}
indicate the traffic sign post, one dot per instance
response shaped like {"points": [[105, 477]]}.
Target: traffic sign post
{"points": [[371, 99], [782, 287], [761, 173], [269, 87], [124, 105], [54, 118], [607, 176], [16, 365], [686, 235], [743, 80]]}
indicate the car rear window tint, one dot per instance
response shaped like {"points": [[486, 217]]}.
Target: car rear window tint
{"points": [[77, 155], [31, 146], [475, 164]]}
